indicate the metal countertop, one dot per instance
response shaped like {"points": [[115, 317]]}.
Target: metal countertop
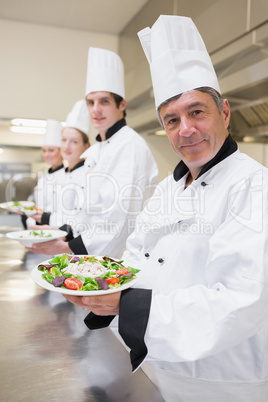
{"points": [[47, 352]]}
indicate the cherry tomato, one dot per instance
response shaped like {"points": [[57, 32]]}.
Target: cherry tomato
{"points": [[112, 281], [73, 283], [121, 271]]}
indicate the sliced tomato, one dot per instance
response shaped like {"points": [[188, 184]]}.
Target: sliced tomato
{"points": [[112, 281], [121, 271], [73, 283]]}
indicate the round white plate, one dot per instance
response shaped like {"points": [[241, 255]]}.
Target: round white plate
{"points": [[22, 207], [37, 278], [27, 240]]}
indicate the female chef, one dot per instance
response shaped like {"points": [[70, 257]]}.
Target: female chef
{"points": [[74, 142]]}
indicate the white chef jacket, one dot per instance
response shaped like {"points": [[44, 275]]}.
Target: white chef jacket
{"points": [[120, 175], [203, 252], [70, 195], [46, 193], [47, 189]]}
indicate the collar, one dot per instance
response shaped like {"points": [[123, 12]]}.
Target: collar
{"points": [[229, 147], [78, 165], [50, 170], [113, 129]]}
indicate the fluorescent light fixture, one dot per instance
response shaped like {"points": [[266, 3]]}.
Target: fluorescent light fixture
{"points": [[28, 126], [28, 123], [248, 138], [160, 132], [28, 130], [1, 150]]}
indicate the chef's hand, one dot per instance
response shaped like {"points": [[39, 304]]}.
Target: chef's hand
{"points": [[37, 217], [59, 246], [99, 305]]}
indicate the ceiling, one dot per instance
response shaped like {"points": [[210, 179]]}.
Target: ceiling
{"points": [[74, 14]]}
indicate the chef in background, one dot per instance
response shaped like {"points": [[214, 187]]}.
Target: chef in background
{"points": [[121, 172], [74, 142], [48, 185], [196, 321]]}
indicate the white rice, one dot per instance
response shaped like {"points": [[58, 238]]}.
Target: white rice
{"points": [[87, 269]]}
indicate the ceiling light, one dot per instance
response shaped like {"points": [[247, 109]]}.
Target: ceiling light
{"points": [[160, 132], [28, 123], [28, 130], [248, 138]]}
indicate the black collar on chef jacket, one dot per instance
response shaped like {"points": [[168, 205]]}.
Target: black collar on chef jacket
{"points": [[228, 148], [50, 170], [78, 165], [112, 130]]}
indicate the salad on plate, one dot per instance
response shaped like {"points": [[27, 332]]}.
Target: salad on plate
{"points": [[82, 274]]}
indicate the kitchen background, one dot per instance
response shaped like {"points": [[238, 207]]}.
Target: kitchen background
{"points": [[44, 47]]}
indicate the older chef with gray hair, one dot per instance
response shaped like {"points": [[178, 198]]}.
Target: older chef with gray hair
{"points": [[196, 321]]}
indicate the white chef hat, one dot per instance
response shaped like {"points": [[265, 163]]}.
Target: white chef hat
{"points": [[105, 72], [79, 117], [178, 57], [52, 135]]}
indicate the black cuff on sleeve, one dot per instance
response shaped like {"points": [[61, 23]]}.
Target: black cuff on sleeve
{"points": [[77, 246], [94, 321], [69, 230], [45, 218], [23, 220], [133, 318]]}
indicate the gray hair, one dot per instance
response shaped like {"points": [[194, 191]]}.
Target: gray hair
{"points": [[211, 91]]}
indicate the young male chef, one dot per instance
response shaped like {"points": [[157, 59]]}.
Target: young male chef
{"points": [[121, 171], [197, 319]]}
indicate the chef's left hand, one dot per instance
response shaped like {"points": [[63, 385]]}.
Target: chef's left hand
{"points": [[59, 246], [99, 305]]}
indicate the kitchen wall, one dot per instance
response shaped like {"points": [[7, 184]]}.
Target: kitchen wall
{"points": [[43, 70]]}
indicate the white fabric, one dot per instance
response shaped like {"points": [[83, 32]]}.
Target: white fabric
{"points": [[177, 56], [208, 321], [48, 190], [71, 197], [119, 176], [105, 72], [52, 135], [79, 117]]}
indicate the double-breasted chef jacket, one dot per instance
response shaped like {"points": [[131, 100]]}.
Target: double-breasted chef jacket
{"points": [[197, 319], [46, 193], [119, 175]]}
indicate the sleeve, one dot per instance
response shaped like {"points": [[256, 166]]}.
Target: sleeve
{"points": [[134, 303], [229, 307], [77, 245], [133, 318]]}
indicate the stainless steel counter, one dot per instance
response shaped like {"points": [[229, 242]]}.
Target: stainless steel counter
{"points": [[47, 352]]}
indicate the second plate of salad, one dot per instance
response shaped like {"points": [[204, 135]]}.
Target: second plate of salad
{"points": [[84, 275]]}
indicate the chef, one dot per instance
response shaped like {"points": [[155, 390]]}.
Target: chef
{"points": [[196, 321], [121, 171], [47, 188], [74, 142]]}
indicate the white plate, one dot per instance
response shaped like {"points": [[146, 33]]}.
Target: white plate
{"points": [[22, 207], [37, 278], [27, 240]]}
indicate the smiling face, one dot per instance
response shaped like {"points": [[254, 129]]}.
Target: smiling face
{"points": [[72, 146], [195, 127], [52, 156], [103, 110]]}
